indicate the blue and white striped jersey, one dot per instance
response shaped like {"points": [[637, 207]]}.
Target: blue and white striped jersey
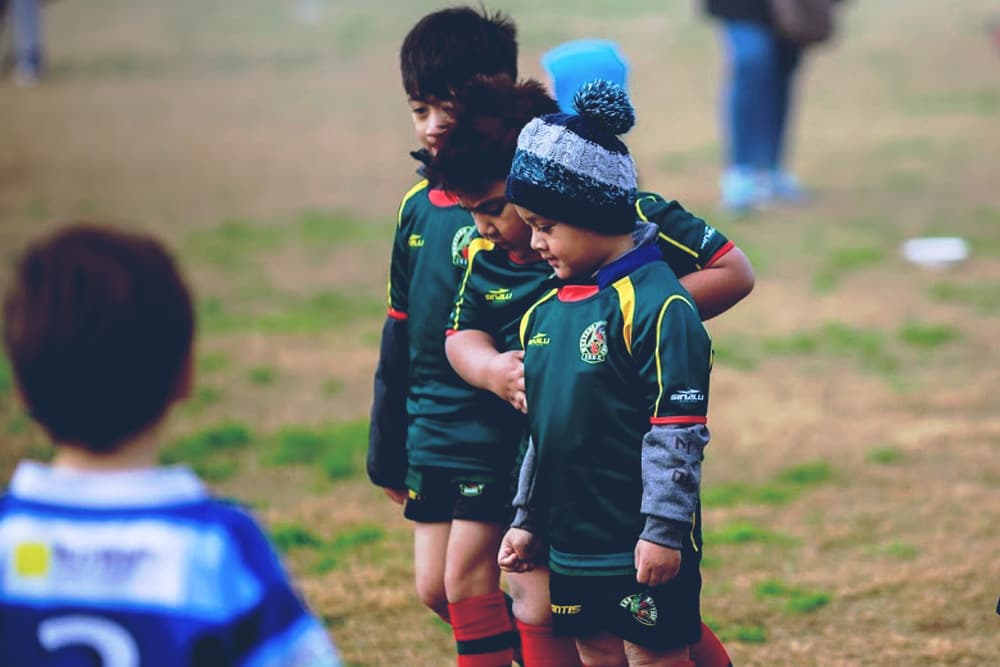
{"points": [[142, 568]]}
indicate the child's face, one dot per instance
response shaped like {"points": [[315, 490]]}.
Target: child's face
{"points": [[497, 221], [571, 251], [432, 118]]}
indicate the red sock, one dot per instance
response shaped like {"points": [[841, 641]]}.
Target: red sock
{"points": [[541, 648], [709, 652], [483, 631]]}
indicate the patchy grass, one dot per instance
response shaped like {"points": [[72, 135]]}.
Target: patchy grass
{"points": [[745, 532], [928, 336], [737, 351], [213, 362], [211, 451], [337, 449], [784, 488], [982, 297], [840, 262], [867, 346], [288, 536], [290, 314], [898, 550], [262, 375], [884, 455], [794, 600]]}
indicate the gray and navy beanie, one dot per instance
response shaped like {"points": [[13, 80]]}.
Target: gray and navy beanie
{"points": [[574, 168]]}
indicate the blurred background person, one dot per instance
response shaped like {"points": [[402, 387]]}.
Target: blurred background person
{"points": [[762, 59], [24, 18]]}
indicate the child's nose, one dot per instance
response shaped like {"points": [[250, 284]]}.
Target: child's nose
{"points": [[536, 241]]}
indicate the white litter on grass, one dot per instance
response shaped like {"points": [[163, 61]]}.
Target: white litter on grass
{"points": [[936, 252]]}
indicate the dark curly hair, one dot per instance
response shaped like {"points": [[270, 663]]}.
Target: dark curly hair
{"points": [[490, 113]]}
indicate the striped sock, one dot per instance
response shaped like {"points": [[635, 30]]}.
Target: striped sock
{"points": [[483, 631], [709, 651], [541, 648]]}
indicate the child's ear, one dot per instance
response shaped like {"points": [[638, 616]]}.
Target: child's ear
{"points": [[185, 380]]}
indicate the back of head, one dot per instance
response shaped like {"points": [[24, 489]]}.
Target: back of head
{"points": [[490, 113], [574, 168], [98, 327], [447, 48]]}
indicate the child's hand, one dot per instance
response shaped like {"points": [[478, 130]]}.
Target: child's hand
{"points": [[505, 378], [655, 565], [397, 496], [517, 551]]}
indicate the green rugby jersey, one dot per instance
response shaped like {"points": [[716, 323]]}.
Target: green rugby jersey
{"points": [[603, 362], [496, 290], [451, 424]]}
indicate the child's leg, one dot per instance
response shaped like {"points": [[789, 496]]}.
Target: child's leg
{"points": [[430, 545], [602, 650], [533, 614], [477, 607], [639, 656], [709, 651]]}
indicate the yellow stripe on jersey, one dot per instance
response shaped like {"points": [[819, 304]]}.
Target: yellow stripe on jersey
{"points": [[475, 246], [422, 184], [626, 301], [659, 363], [678, 244], [524, 318]]}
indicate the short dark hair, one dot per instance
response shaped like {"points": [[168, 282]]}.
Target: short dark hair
{"points": [[98, 326], [479, 149], [446, 48]]}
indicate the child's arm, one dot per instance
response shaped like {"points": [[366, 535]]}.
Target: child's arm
{"points": [[722, 284], [673, 353], [475, 357], [471, 349], [387, 462], [518, 550], [716, 273]]}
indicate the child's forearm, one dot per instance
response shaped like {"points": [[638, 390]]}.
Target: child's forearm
{"points": [[721, 285], [671, 481], [469, 353], [387, 461]]}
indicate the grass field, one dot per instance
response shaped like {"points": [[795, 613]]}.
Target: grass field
{"points": [[852, 487]]}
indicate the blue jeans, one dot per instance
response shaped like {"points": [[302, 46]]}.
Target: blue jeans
{"points": [[26, 28], [758, 94]]}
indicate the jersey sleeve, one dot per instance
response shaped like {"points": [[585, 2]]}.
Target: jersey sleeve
{"points": [[399, 264], [468, 311], [673, 353], [687, 242], [279, 629]]}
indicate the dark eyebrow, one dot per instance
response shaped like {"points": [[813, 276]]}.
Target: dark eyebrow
{"points": [[489, 204]]}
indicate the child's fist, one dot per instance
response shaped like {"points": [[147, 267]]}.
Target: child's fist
{"points": [[517, 551], [655, 565]]}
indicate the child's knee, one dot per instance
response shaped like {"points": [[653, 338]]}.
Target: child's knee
{"points": [[602, 651], [432, 595], [469, 578], [531, 598]]}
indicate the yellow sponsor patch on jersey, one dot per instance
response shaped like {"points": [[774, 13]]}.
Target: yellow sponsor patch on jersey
{"points": [[415, 241], [499, 294], [540, 338], [566, 609], [31, 559]]}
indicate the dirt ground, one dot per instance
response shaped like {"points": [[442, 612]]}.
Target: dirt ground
{"points": [[852, 486]]}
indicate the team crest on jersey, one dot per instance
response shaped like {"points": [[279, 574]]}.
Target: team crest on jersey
{"points": [[594, 343], [642, 607], [460, 245], [471, 490]]}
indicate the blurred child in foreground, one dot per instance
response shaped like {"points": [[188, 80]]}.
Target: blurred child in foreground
{"points": [[105, 555]]}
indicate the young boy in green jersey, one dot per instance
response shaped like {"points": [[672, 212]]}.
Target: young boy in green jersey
{"points": [[617, 366], [505, 276], [443, 447]]}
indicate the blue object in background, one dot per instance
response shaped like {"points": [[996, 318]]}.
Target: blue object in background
{"points": [[572, 64]]}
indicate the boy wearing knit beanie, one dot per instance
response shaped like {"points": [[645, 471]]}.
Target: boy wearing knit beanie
{"points": [[617, 367]]}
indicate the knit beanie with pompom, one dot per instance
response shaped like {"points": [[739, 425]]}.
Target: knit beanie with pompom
{"points": [[573, 167]]}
